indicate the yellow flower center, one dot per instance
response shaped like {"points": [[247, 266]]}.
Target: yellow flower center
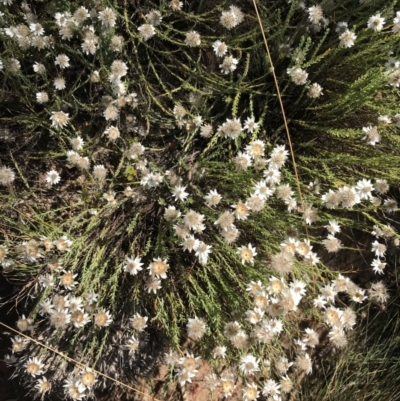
{"points": [[159, 267], [101, 319], [276, 286], [251, 393], [257, 150], [77, 316], [242, 209], [88, 378], [246, 254], [67, 279], [23, 324], [227, 386], [33, 368]]}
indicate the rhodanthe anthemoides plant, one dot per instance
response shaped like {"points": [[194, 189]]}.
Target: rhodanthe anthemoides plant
{"points": [[154, 209]]}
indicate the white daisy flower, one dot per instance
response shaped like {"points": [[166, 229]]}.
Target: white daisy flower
{"points": [[376, 22], [220, 48], [179, 193], [59, 119], [133, 265], [202, 251], [146, 31], [102, 318], [250, 125], [34, 367], [52, 177], [158, 268], [213, 198], [229, 64], [247, 253], [62, 61], [249, 364]]}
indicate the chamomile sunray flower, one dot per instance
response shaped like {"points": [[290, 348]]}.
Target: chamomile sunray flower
{"points": [[59, 119], [7, 175], [63, 244], [153, 284], [46, 280], [213, 198], [241, 210], [67, 280], [74, 388], [34, 366], [138, 322], [179, 192], [229, 64], [333, 227], [42, 385], [88, 377], [256, 148], [132, 345], [53, 177], [202, 251], [378, 266], [376, 22], [133, 265], [219, 352], [193, 219], [60, 318], [171, 213], [77, 143], [319, 302], [79, 318], [102, 318], [249, 364], [290, 245], [190, 243], [220, 48], [243, 161], [19, 343], [263, 190], [107, 18], [364, 189], [196, 328], [247, 254], [193, 39], [112, 133], [36, 29], [158, 268], [379, 249], [62, 61], [250, 125], [75, 303], [250, 392], [272, 389], [272, 176]]}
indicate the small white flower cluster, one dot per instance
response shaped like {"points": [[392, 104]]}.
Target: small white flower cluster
{"points": [[267, 321], [348, 197], [147, 31], [231, 19], [118, 70], [297, 75], [229, 64], [316, 18], [346, 36], [76, 386]]}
